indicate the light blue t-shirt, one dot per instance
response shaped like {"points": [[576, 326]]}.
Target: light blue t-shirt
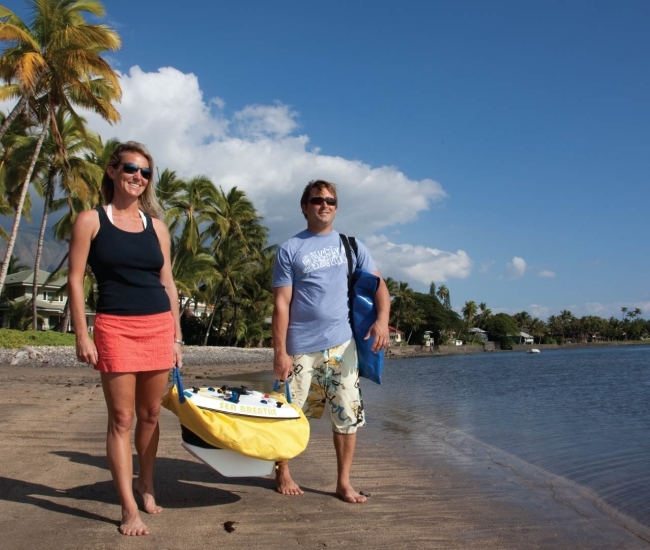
{"points": [[316, 267]]}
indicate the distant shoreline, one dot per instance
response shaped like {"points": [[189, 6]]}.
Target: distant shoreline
{"points": [[402, 352]]}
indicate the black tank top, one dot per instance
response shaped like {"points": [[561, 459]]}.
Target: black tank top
{"points": [[127, 268]]}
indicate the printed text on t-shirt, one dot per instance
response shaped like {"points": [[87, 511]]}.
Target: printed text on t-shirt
{"points": [[326, 257]]}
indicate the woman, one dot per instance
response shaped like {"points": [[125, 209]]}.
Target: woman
{"points": [[137, 334]]}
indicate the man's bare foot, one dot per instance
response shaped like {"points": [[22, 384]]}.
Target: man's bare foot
{"points": [[348, 494], [132, 526], [284, 484], [148, 498]]}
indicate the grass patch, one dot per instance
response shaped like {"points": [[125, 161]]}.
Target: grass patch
{"points": [[10, 338]]}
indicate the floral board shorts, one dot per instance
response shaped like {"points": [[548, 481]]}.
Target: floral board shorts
{"points": [[329, 378]]}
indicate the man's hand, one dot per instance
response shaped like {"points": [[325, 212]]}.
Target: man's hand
{"points": [[282, 366], [380, 333]]}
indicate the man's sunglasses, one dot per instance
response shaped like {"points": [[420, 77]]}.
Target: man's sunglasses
{"points": [[132, 168], [320, 200]]}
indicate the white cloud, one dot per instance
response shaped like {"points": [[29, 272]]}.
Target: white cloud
{"points": [[255, 150], [417, 264], [546, 273], [516, 268], [596, 308], [541, 312], [255, 121]]}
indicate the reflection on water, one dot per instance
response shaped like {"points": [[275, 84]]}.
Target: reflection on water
{"points": [[581, 414]]}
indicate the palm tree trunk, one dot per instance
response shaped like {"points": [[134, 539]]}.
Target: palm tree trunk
{"points": [[232, 327], [214, 311], [39, 250], [19, 108], [21, 202], [63, 325], [184, 308], [220, 323]]}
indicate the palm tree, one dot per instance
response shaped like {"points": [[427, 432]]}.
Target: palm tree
{"points": [[413, 320], [537, 328], [238, 241], [392, 286], [469, 313], [193, 204], [443, 295], [51, 169], [484, 315], [402, 302], [15, 266], [232, 264], [190, 271], [257, 299], [566, 319], [168, 187], [554, 325], [523, 319], [83, 196], [623, 311], [237, 218], [10, 170], [57, 61]]}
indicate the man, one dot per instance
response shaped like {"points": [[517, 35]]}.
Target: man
{"points": [[312, 339]]}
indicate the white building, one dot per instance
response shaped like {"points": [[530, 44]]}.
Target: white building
{"points": [[50, 303]]}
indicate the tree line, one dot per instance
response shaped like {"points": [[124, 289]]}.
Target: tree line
{"points": [[415, 312]]}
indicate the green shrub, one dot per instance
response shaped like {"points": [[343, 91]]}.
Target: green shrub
{"points": [[506, 344], [18, 338]]}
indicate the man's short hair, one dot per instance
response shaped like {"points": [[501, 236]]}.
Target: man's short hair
{"points": [[320, 185]]}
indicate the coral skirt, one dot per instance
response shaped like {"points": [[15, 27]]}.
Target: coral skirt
{"points": [[134, 343]]}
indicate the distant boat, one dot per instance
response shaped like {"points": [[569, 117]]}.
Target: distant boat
{"points": [[534, 350]]}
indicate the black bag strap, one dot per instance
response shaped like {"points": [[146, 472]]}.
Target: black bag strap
{"points": [[349, 244]]}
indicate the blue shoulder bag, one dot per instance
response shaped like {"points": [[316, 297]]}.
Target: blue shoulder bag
{"points": [[362, 287]]}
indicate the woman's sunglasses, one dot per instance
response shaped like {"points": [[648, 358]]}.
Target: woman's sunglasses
{"points": [[320, 200], [132, 168]]}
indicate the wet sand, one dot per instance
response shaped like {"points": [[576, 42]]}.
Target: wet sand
{"points": [[56, 490]]}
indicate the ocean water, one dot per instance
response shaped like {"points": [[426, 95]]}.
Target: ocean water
{"points": [[580, 415]]}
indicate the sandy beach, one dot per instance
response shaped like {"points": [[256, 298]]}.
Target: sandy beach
{"points": [[56, 490]]}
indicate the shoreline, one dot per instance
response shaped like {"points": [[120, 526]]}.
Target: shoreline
{"points": [[55, 485], [240, 358]]}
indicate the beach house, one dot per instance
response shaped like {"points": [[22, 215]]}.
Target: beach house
{"points": [[50, 302]]}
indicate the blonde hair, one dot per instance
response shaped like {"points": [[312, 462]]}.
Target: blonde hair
{"points": [[147, 202]]}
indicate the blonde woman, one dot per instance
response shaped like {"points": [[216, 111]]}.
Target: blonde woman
{"points": [[137, 334]]}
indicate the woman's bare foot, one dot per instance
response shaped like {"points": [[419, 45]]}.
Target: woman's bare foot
{"points": [[348, 494], [132, 526], [284, 484], [148, 498]]}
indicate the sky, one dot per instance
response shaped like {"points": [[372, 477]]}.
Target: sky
{"points": [[499, 148]]}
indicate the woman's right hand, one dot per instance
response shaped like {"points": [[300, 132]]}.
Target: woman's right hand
{"points": [[86, 350]]}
